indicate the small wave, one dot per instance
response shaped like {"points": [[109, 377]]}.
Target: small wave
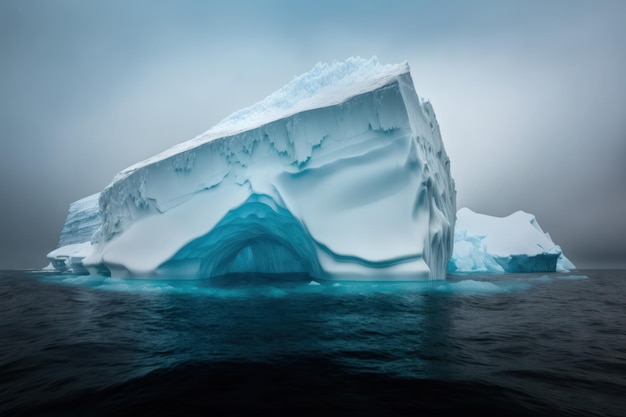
{"points": [[574, 277], [83, 279], [543, 278], [471, 286]]}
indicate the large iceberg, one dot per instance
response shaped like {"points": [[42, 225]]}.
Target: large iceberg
{"points": [[515, 243], [341, 174]]}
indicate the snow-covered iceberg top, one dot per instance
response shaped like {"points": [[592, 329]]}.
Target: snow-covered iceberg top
{"points": [[341, 174], [515, 243], [323, 86]]}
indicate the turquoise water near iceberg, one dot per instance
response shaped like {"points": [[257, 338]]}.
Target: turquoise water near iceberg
{"points": [[526, 344]]}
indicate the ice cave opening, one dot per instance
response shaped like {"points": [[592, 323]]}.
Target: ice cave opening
{"points": [[260, 236]]}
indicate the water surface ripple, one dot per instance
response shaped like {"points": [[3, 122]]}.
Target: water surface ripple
{"points": [[528, 344]]}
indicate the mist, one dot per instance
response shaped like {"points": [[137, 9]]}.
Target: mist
{"points": [[530, 98]]}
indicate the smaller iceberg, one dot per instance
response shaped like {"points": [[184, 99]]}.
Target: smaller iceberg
{"points": [[515, 243]]}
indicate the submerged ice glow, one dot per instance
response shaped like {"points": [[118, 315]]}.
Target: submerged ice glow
{"points": [[341, 174], [289, 285]]}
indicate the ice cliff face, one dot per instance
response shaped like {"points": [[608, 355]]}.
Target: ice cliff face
{"points": [[83, 219], [515, 243], [341, 174]]}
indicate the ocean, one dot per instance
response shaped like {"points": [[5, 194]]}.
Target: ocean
{"points": [[507, 345]]}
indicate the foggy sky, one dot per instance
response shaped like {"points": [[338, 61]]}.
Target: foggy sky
{"points": [[530, 96]]}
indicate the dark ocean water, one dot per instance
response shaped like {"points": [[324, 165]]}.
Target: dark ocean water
{"points": [[527, 344]]}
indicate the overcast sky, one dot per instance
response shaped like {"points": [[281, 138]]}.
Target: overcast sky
{"points": [[530, 96]]}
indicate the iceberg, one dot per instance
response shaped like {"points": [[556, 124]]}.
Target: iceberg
{"points": [[515, 243], [340, 174]]}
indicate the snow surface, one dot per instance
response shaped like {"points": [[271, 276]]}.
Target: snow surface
{"points": [[515, 243], [323, 86], [341, 174]]}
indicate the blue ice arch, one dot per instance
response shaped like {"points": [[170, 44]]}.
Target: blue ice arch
{"points": [[258, 236]]}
